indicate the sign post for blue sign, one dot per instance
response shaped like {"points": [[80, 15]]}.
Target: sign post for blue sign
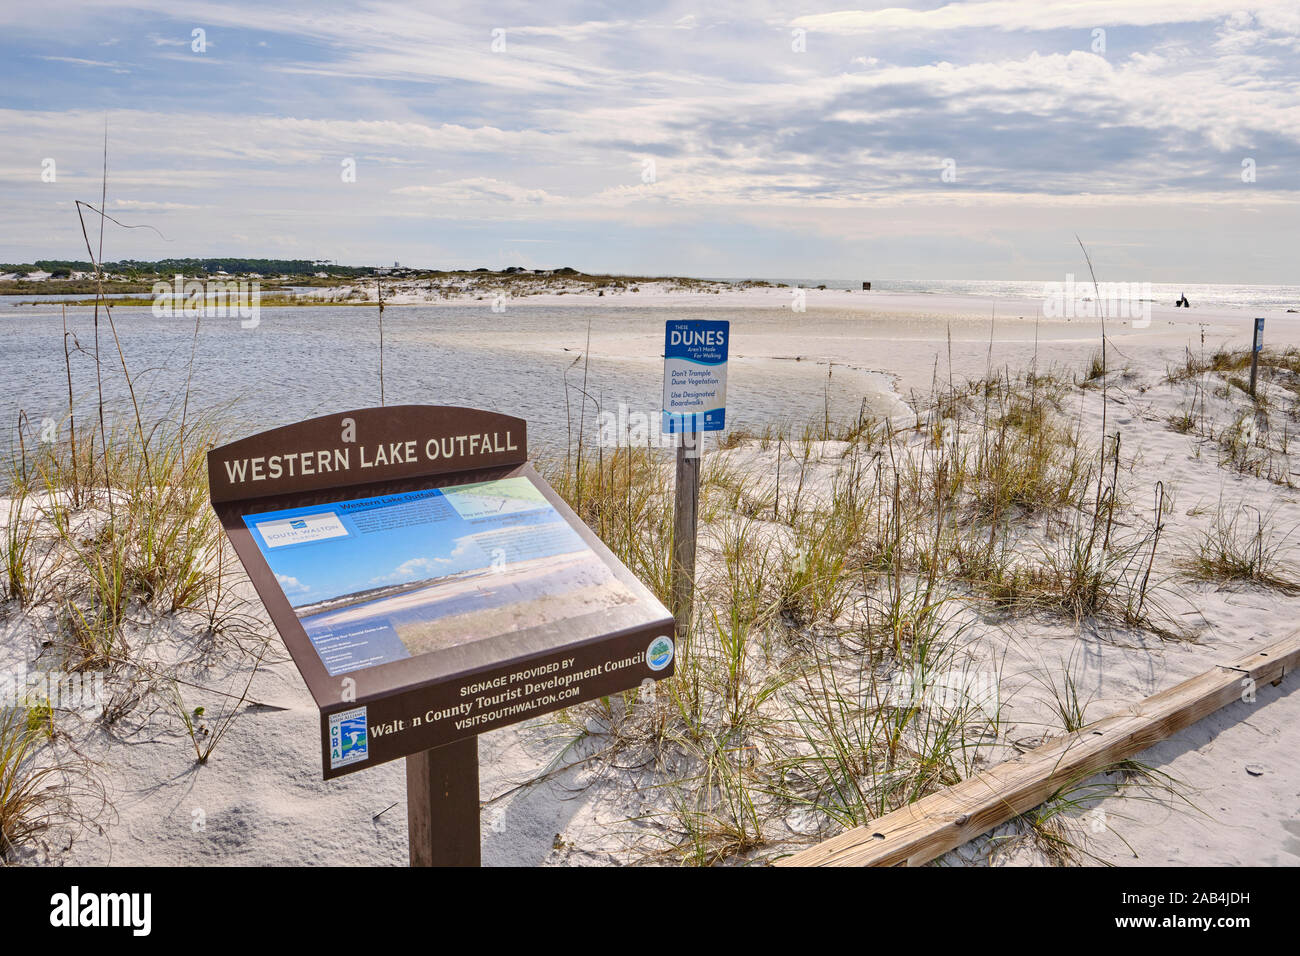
{"points": [[1256, 347], [695, 401]]}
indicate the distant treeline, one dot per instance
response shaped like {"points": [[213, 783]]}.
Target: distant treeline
{"points": [[190, 267]]}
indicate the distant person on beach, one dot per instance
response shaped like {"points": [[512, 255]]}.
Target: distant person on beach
{"points": [[1183, 302]]}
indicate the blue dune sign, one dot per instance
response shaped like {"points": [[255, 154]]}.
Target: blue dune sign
{"points": [[695, 375]]}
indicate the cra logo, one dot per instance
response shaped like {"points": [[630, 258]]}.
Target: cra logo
{"points": [[659, 654]]}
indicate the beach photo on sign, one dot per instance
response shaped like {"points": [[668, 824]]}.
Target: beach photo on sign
{"points": [[379, 579]]}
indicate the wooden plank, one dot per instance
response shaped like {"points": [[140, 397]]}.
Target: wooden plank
{"points": [[933, 825]]}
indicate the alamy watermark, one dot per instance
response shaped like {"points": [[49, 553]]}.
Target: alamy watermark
{"points": [[74, 908], [1088, 300], [632, 428], [82, 691], [211, 298], [948, 691]]}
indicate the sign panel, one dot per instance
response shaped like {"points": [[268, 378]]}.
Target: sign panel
{"points": [[1259, 335], [415, 572], [695, 375], [426, 608]]}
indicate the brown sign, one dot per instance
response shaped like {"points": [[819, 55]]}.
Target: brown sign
{"points": [[365, 446], [428, 583]]}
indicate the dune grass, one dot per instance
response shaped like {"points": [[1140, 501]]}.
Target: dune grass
{"points": [[131, 524], [842, 568], [32, 796], [1243, 546], [1251, 435], [107, 531]]}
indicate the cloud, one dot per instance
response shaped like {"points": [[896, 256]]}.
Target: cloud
{"points": [[148, 205], [1038, 15], [458, 147], [97, 64], [412, 570], [478, 189], [291, 586]]}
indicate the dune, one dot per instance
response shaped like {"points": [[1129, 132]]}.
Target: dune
{"points": [[587, 787]]}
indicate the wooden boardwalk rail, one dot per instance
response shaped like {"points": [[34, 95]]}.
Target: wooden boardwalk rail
{"points": [[933, 825]]}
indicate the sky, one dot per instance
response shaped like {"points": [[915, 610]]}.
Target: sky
{"points": [[927, 140]]}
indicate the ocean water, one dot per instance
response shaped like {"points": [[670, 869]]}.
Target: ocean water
{"points": [[1203, 295], [303, 361]]}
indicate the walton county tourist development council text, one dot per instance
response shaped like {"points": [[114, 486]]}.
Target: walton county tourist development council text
{"points": [[523, 690]]}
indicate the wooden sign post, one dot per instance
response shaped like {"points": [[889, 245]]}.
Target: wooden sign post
{"points": [[1257, 346], [442, 805], [695, 401], [430, 586], [686, 508]]}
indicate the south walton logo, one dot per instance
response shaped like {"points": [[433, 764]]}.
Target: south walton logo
{"points": [[659, 654], [349, 742]]}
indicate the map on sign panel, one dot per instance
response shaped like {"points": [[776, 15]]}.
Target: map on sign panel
{"points": [[380, 579]]}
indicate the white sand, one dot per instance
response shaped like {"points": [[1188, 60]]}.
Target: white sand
{"points": [[259, 799]]}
